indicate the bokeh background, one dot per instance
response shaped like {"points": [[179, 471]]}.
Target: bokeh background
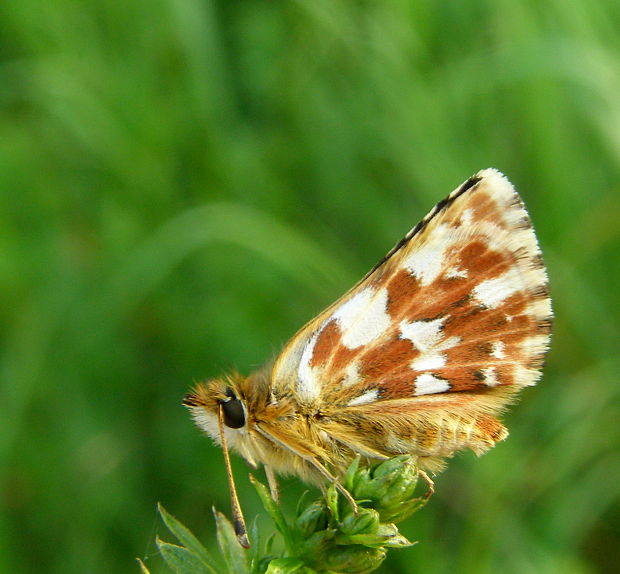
{"points": [[183, 183]]}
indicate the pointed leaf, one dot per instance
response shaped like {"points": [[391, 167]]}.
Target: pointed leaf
{"points": [[301, 503], [331, 499], [288, 566], [269, 543], [234, 554], [143, 568], [274, 511], [350, 476], [181, 560], [185, 537]]}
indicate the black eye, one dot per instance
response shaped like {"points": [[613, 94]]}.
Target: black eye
{"points": [[234, 417]]}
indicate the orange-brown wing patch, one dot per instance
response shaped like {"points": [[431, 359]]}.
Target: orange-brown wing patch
{"points": [[460, 304]]}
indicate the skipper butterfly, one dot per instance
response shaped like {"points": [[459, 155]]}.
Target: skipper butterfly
{"points": [[419, 357]]}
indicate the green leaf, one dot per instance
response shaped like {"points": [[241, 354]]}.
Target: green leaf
{"points": [[235, 556], [352, 474], [353, 559], [185, 537], [182, 560], [326, 536], [143, 568], [302, 502], [260, 552], [317, 544], [331, 499], [365, 521], [269, 543], [260, 565], [311, 519], [274, 512], [387, 535], [288, 566]]}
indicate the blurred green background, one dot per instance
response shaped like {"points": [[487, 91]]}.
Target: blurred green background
{"points": [[183, 183]]}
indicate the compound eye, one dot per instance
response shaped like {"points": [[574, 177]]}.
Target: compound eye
{"points": [[234, 416]]}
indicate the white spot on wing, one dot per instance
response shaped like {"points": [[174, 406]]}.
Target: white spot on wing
{"points": [[351, 374], [455, 273], [427, 262], [490, 379], [492, 292], [467, 217], [428, 384], [539, 308], [367, 397], [428, 338], [535, 345], [363, 318], [498, 350], [308, 387], [429, 362], [524, 376], [423, 334]]}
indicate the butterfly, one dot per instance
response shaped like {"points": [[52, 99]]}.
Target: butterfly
{"points": [[420, 357]]}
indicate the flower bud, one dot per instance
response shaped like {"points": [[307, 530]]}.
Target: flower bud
{"points": [[318, 543], [389, 487], [366, 521], [286, 566], [312, 519], [384, 535], [353, 559]]}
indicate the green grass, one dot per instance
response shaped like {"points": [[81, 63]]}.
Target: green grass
{"points": [[184, 183]]}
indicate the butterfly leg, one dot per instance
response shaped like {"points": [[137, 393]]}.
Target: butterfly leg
{"points": [[274, 489], [430, 484], [329, 476], [347, 495], [310, 460]]}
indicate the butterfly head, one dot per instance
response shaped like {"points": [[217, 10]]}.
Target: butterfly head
{"points": [[207, 399], [218, 407]]}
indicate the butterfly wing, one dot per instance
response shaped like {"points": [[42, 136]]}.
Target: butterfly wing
{"points": [[437, 337]]}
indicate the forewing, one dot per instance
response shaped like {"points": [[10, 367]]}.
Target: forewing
{"points": [[460, 304]]}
